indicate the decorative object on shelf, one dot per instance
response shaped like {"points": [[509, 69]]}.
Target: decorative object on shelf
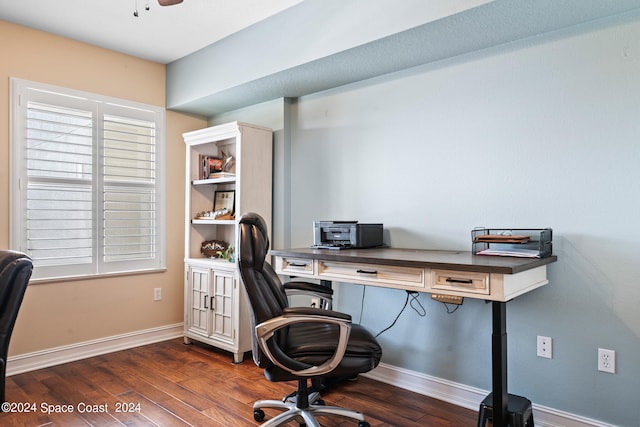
{"points": [[228, 162], [225, 199], [217, 249], [220, 214], [227, 254], [214, 248]]}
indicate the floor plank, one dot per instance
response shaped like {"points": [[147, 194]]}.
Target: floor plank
{"points": [[172, 384]]}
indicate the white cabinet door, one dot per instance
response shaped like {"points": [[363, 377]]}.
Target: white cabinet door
{"points": [[198, 300], [224, 297]]}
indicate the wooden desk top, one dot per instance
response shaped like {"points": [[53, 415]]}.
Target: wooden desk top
{"points": [[446, 260]]}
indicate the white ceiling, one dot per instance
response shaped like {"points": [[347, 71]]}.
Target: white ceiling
{"points": [[161, 34]]}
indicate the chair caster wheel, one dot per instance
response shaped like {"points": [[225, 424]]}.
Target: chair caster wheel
{"points": [[364, 424], [258, 414]]}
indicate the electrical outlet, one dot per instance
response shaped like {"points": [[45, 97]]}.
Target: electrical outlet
{"points": [[606, 360], [545, 347], [315, 302], [157, 294]]}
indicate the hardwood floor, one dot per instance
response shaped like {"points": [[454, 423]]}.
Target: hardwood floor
{"points": [[172, 384]]}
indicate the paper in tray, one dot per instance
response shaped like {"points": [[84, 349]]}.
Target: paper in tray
{"points": [[522, 253]]}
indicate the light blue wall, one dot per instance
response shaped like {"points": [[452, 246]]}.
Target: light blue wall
{"points": [[533, 134], [543, 132]]}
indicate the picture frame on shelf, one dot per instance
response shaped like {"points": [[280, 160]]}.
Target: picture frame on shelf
{"points": [[225, 199]]}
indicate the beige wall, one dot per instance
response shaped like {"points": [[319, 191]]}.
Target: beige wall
{"points": [[62, 313]]}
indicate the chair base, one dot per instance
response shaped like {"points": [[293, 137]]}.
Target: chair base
{"points": [[308, 414]]}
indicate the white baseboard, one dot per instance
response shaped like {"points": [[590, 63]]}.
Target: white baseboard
{"points": [[470, 397], [69, 353], [438, 388]]}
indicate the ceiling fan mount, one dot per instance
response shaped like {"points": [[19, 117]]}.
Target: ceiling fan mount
{"points": [[169, 2]]}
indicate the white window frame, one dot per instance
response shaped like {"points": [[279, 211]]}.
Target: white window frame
{"points": [[23, 91]]}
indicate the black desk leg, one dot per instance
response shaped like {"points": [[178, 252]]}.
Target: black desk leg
{"points": [[499, 363]]}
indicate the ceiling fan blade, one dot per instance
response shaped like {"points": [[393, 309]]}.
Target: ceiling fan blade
{"points": [[168, 2]]}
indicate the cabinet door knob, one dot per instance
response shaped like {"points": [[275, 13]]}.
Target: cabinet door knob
{"points": [[211, 304], [205, 302]]}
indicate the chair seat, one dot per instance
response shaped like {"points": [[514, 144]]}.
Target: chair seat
{"points": [[314, 343]]}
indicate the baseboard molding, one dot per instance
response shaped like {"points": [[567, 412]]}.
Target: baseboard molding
{"points": [[469, 397], [438, 388], [82, 350]]}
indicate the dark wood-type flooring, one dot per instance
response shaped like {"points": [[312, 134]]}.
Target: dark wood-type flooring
{"points": [[172, 384]]}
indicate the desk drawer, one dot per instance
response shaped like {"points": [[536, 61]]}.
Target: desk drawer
{"points": [[460, 281], [371, 274], [294, 266]]}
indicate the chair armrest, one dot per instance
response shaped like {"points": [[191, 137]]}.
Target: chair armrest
{"points": [[266, 330], [308, 287]]}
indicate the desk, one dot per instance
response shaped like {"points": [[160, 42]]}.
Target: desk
{"points": [[495, 279]]}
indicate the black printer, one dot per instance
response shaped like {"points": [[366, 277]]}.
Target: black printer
{"points": [[346, 234]]}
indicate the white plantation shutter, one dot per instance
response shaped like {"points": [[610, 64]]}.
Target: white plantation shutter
{"points": [[129, 195], [86, 182], [59, 209]]}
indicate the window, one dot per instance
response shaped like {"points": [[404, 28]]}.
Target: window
{"points": [[87, 182]]}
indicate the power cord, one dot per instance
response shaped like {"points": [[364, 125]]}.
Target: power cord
{"points": [[449, 309], [364, 290], [414, 299]]}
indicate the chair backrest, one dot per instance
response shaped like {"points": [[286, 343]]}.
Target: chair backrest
{"points": [[15, 272], [267, 298]]}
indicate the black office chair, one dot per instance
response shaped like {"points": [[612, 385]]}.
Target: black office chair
{"points": [[15, 271], [297, 343]]}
